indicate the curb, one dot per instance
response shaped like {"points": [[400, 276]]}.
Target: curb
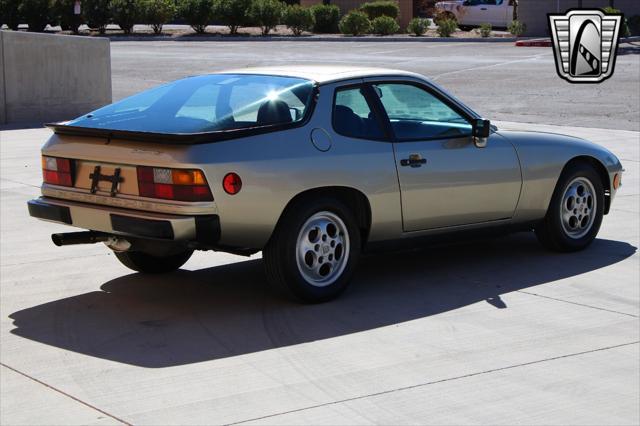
{"points": [[546, 42], [372, 39], [540, 42]]}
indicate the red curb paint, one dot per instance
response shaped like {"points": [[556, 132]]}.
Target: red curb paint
{"points": [[534, 43]]}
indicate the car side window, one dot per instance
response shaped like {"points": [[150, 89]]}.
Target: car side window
{"points": [[353, 117], [416, 114]]}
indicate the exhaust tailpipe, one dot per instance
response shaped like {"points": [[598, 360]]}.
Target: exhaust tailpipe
{"points": [[86, 237]]}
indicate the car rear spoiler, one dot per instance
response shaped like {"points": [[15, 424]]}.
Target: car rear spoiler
{"points": [[168, 138]]}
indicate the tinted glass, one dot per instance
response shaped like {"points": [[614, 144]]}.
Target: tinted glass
{"points": [[416, 114], [207, 103], [352, 116]]}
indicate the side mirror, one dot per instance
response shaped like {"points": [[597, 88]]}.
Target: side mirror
{"points": [[480, 130]]}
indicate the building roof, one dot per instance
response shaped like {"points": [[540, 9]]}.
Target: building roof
{"points": [[323, 73]]}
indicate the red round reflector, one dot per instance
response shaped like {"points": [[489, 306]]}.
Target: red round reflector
{"points": [[231, 183]]}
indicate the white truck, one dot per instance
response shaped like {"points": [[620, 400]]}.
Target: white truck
{"points": [[470, 13]]}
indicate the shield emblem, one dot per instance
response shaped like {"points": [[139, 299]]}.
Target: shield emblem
{"points": [[585, 44]]}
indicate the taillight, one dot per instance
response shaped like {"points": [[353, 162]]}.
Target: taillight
{"points": [[57, 171], [173, 184]]}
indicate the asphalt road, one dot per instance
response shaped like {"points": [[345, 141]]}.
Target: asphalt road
{"points": [[499, 80], [494, 332]]}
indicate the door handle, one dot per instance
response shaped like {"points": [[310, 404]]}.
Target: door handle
{"points": [[414, 160], [483, 8]]}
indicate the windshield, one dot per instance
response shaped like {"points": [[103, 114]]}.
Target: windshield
{"points": [[206, 104]]}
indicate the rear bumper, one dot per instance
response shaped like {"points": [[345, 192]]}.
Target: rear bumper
{"points": [[204, 229]]}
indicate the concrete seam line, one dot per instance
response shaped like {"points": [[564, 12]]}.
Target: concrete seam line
{"points": [[355, 398], [19, 183], [578, 304], [65, 394]]}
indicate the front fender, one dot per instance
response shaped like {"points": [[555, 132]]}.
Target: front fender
{"points": [[543, 156]]}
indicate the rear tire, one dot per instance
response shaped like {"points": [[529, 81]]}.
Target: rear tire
{"points": [[149, 264], [314, 250], [575, 212]]}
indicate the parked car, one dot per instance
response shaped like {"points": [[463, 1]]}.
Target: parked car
{"points": [[311, 165], [470, 13]]}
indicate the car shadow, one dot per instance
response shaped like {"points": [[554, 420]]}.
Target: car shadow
{"points": [[223, 311]]}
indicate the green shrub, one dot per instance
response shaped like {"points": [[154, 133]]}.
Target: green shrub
{"points": [[97, 13], [10, 13], [157, 13], [266, 13], [355, 23], [485, 30], [63, 15], [440, 15], [126, 13], [446, 27], [419, 26], [517, 28], [384, 25], [36, 13], [326, 18], [625, 31], [197, 13], [634, 25], [379, 8], [298, 19], [233, 13]]}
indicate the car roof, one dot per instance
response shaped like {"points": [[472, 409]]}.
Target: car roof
{"points": [[323, 73]]}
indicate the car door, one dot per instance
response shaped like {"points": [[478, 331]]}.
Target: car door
{"points": [[445, 180], [495, 12], [478, 12], [472, 13]]}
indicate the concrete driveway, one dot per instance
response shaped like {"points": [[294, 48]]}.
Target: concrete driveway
{"points": [[490, 332], [493, 332]]}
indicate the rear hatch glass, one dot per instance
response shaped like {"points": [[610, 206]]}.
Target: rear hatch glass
{"points": [[210, 103]]}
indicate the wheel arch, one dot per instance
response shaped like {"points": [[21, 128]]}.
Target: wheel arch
{"points": [[353, 198], [600, 169]]}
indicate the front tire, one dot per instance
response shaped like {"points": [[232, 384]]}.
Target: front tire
{"points": [[575, 212], [313, 252], [149, 264]]}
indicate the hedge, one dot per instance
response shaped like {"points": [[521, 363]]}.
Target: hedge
{"points": [[97, 14], [197, 13], [126, 13], [379, 8], [419, 26], [266, 13], [232, 13], [157, 13], [355, 23], [384, 25], [298, 19], [326, 18]]}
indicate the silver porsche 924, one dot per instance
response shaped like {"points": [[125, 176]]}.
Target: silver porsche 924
{"points": [[311, 165]]}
